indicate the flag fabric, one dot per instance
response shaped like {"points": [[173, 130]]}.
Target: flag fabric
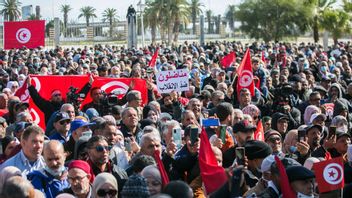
{"points": [[152, 62], [159, 163], [245, 74], [328, 155], [286, 189], [329, 174], [213, 175], [259, 133], [18, 34], [228, 60], [46, 84]]}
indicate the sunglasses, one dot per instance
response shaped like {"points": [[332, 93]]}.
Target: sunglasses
{"points": [[65, 122], [274, 139], [102, 148], [104, 192]]}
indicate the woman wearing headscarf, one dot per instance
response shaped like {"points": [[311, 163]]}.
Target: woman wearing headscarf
{"points": [[310, 110], [153, 177], [7, 173], [8, 144], [105, 184], [13, 86]]}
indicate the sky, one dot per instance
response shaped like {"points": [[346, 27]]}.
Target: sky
{"points": [[51, 8]]}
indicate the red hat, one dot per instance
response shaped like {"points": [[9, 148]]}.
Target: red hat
{"points": [[83, 166]]}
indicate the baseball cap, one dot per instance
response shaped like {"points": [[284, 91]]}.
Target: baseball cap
{"points": [[243, 126], [78, 123], [21, 104], [61, 116]]}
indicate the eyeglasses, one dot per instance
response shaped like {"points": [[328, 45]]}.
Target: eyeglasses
{"points": [[78, 178], [274, 139], [104, 192], [56, 95], [102, 148]]}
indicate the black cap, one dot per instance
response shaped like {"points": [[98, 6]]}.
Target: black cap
{"points": [[21, 126], [21, 104], [340, 134], [313, 126], [255, 149], [295, 173], [243, 126], [61, 116]]}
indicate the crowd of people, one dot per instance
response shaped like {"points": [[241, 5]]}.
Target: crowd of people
{"points": [[302, 105]]}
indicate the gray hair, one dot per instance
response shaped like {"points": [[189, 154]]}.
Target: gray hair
{"points": [[21, 116], [149, 136], [124, 111], [65, 106], [132, 95], [169, 123], [150, 129]]}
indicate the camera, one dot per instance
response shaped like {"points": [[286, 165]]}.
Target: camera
{"points": [[74, 98]]}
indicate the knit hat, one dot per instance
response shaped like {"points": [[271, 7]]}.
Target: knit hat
{"points": [[270, 133], [257, 149], [104, 178], [135, 187], [84, 166], [152, 171]]}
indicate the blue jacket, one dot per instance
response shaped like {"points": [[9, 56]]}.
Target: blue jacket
{"points": [[43, 181]]}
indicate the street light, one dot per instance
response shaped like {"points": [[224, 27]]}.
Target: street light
{"points": [[141, 7]]}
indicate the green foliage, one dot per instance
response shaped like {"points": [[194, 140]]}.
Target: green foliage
{"points": [[274, 19], [337, 22], [195, 10], [230, 16], [87, 12], [11, 10], [110, 15]]}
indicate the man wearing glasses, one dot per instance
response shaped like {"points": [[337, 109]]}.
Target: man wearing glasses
{"points": [[80, 179], [62, 125]]}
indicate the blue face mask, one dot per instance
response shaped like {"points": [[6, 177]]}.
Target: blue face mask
{"points": [[323, 69], [293, 149], [54, 173]]}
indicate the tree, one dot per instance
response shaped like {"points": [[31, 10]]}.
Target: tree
{"points": [[179, 9], [337, 22], [209, 15], [273, 19], [110, 14], [318, 8], [195, 10], [32, 17], [11, 10], [87, 12], [151, 15], [65, 9], [230, 16]]}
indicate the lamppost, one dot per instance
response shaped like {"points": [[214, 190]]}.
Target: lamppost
{"points": [[141, 7]]}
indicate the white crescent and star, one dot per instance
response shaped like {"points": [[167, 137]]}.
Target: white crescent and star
{"points": [[333, 173], [23, 35], [246, 78]]}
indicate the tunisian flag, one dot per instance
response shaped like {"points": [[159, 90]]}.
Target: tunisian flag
{"points": [[213, 175], [329, 174], [245, 74], [18, 34], [228, 60], [152, 62], [163, 173], [286, 189], [46, 84]]}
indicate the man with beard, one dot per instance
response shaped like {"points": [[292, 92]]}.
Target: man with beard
{"points": [[310, 144], [48, 107], [53, 177], [129, 123], [243, 131], [196, 106]]}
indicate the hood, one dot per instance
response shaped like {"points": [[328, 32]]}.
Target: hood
{"points": [[275, 118], [339, 107], [338, 87]]}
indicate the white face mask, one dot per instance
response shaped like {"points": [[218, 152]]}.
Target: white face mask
{"points": [[54, 173], [300, 195], [342, 129]]}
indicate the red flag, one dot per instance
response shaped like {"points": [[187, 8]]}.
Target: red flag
{"points": [[286, 189], [18, 34], [328, 155], [245, 74], [259, 133], [22, 93], [152, 62], [329, 174], [228, 60], [212, 174], [263, 56], [46, 84], [159, 163]]}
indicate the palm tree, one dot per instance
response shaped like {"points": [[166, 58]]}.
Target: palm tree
{"points": [[11, 10], [337, 22], [195, 8], [319, 7], [179, 9], [32, 17], [87, 12], [209, 15], [65, 9], [230, 16], [110, 14], [150, 18]]}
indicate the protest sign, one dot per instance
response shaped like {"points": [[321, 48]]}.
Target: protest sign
{"points": [[168, 81]]}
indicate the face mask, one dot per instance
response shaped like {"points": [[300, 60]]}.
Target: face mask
{"points": [[88, 133], [36, 64], [54, 173], [300, 195], [323, 69], [120, 144], [293, 149], [20, 83]]}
